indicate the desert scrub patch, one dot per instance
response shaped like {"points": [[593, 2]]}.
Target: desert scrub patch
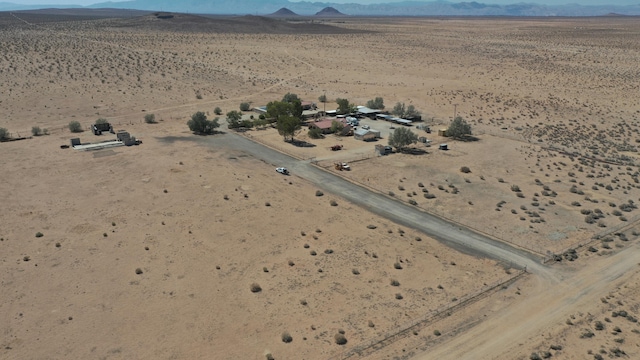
{"points": [[255, 288]]}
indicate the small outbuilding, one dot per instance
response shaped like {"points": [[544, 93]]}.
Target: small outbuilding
{"points": [[442, 132], [443, 147], [366, 134]]}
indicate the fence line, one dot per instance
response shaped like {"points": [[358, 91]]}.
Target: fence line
{"points": [[594, 238], [403, 330]]}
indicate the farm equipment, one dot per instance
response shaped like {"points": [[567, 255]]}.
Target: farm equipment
{"points": [[336, 147]]}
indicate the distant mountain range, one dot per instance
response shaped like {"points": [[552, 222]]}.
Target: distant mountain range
{"points": [[406, 8]]}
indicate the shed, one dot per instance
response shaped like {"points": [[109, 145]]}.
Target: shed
{"points": [[75, 141], [442, 132], [366, 134], [443, 147], [365, 111]]}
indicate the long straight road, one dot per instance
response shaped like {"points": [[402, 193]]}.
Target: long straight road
{"points": [[453, 235]]}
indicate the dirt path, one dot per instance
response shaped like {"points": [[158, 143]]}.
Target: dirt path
{"points": [[551, 303]]}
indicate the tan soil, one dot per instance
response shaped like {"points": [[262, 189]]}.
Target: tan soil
{"points": [[524, 85]]}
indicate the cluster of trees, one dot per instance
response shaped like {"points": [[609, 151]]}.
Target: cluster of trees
{"points": [[402, 137], [200, 125], [400, 110], [377, 103]]}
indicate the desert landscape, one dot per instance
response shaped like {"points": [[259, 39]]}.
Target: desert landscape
{"points": [[191, 246]]}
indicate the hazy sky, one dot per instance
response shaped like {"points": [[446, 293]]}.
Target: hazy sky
{"points": [[548, 2]]}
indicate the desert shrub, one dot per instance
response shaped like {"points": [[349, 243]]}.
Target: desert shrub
{"points": [[286, 337], [340, 339], [355, 271], [139, 271], [534, 356], [598, 325], [420, 185], [217, 110], [395, 282], [333, 203], [315, 133], [150, 118], [313, 253], [75, 127], [465, 169], [429, 196], [245, 106], [399, 296], [397, 266], [255, 288], [36, 131], [39, 234], [413, 202], [515, 188], [319, 193], [437, 332], [4, 134]]}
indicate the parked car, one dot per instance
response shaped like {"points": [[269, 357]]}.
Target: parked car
{"points": [[282, 170], [366, 127]]}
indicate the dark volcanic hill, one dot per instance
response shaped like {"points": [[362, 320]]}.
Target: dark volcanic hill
{"points": [[247, 24], [329, 11], [283, 12]]}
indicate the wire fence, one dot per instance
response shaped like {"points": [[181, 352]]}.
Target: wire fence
{"points": [[395, 334]]}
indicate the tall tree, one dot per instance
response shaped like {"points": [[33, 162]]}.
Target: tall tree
{"points": [[344, 107], [398, 109], [459, 128], [288, 126], [377, 103], [290, 97], [402, 137]]}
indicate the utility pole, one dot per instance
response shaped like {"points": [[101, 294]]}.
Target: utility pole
{"points": [[325, 102]]}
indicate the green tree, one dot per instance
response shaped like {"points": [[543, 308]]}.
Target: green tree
{"points": [[344, 107], [245, 106], [75, 127], [101, 121], [411, 111], [290, 97], [278, 109], [150, 119], [322, 98], [336, 126], [288, 126], [200, 125], [398, 109], [233, 119], [377, 103], [458, 128], [36, 131], [217, 110], [402, 137], [297, 108]]}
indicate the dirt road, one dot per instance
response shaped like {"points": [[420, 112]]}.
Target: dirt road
{"points": [[453, 235], [558, 290]]}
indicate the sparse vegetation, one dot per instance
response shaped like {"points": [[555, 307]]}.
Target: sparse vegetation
{"points": [[75, 127], [150, 119]]}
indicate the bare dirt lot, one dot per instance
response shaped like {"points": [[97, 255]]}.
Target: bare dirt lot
{"points": [[183, 248]]}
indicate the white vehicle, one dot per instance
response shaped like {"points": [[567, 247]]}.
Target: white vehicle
{"points": [[345, 166], [282, 170], [366, 127]]}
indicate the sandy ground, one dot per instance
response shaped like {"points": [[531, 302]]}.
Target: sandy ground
{"points": [[552, 117]]}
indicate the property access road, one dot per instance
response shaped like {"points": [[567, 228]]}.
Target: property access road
{"points": [[453, 235]]}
